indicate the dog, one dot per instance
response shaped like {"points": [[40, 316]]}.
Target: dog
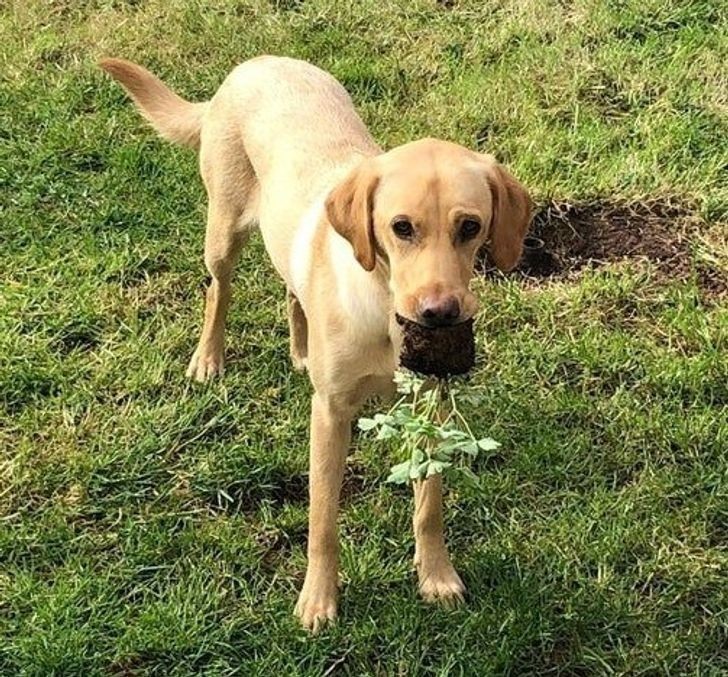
{"points": [[358, 235]]}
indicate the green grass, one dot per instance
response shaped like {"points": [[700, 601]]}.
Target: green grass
{"points": [[149, 526]]}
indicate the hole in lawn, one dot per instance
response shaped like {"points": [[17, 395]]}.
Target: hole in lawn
{"points": [[81, 335], [286, 5], [26, 388], [139, 272], [277, 544], [575, 236], [278, 487]]}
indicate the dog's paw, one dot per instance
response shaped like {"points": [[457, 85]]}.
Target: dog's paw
{"points": [[206, 365], [316, 604], [299, 363], [441, 584]]}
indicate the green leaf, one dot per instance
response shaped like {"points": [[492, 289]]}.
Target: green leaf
{"points": [[453, 434], [366, 424], [449, 447], [420, 471], [470, 448], [400, 473], [421, 426], [488, 444], [385, 432], [436, 467], [403, 415], [407, 382]]}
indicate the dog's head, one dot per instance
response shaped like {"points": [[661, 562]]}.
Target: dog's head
{"points": [[426, 208]]}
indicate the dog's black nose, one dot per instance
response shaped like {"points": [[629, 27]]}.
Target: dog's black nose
{"points": [[439, 311]]}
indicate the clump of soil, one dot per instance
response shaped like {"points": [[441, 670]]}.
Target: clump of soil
{"points": [[437, 351], [566, 237]]}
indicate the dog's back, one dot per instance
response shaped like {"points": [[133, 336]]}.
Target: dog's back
{"points": [[288, 114]]}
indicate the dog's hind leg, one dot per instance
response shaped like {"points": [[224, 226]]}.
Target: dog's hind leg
{"points": [[298, 327], [232, 192], [222, 249]]}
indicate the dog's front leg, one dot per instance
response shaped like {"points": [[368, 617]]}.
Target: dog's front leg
{"points": [[330, 438], [439, 582]]}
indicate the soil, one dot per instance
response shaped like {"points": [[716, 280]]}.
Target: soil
{"points": [[437, 351], [573, 236]]}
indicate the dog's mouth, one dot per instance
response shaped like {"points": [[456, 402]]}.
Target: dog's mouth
{"points": [[405, 321], [443, 351]]}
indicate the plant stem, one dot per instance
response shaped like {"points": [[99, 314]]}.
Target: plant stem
{"points": [[457, 413]]}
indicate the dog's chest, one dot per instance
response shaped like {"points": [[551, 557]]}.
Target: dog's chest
{"points": [[359, 298], [302, 251], [362, 298]]}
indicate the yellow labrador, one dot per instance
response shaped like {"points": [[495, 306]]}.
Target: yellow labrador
{"points": [[357, 235]]}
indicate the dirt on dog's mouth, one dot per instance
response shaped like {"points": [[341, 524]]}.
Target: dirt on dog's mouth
{"points": [[437, 351], [568, 237]]}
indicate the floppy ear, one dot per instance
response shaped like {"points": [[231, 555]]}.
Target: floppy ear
{"points": [[349, 209], [511, 215]]}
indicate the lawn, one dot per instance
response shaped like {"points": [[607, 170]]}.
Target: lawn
{"points": [[151, 526]]}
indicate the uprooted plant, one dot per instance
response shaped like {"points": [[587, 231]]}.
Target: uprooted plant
{"points": [[431, 433]]}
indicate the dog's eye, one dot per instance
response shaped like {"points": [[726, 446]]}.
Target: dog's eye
{"points": [[403, 229], [469, 229]]}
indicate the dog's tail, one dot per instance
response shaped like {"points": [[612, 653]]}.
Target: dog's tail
{"points": [[174, 118]]}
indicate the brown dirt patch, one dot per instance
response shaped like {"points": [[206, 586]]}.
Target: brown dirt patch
{"points": [[567, 237]]}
